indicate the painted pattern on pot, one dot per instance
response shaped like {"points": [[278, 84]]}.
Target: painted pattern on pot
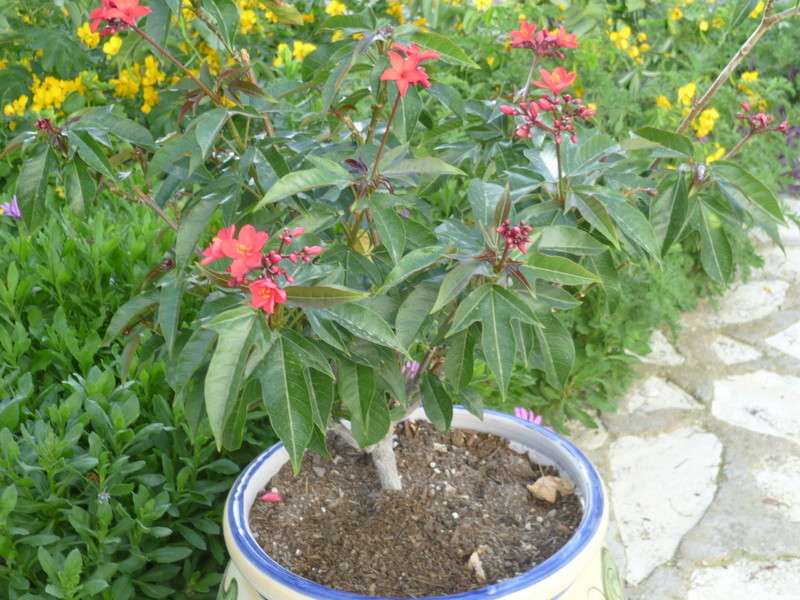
{"points": [[581, 570]]}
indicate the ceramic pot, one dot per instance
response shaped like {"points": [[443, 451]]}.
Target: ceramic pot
{"points": [[581, 570]]}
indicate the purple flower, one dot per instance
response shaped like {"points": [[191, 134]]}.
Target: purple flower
{"points": [[528, 415], [11, 209], [411, 369]]}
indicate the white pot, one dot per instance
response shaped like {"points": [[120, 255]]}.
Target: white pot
{"points": [[581, 570]]}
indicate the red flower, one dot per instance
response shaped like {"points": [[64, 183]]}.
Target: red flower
{"points": [[413, 50], [556, 82], [214, 251], [245, 251], [566, 40], [266, 294], [405, 72], [113, 11], [523, 37]]}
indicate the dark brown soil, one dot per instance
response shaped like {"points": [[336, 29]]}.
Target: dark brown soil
{"points": [[463, 493]]}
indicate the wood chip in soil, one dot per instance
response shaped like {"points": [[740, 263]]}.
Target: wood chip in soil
{"points": [[464, 505]]}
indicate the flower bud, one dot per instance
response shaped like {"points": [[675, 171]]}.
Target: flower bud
{"points": [[745, 105], [312, 250], [783, 127], [298, 231], [508, 110], [545, 104]]}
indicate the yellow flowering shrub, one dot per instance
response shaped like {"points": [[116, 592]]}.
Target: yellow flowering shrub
{"points": [[395, 9], [335, 8], [127, 85], [716, 155], [687, 93], [90, 39], [16, 107], [247, 21], [112, 46], [663, 102], [758, 10], [483, 5], [704, 123], [51, 92]]}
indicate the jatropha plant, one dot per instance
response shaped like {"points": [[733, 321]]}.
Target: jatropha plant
{"points": [[346, 255]]}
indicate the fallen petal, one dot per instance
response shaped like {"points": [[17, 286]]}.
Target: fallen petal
{"points": [[271, 497]]}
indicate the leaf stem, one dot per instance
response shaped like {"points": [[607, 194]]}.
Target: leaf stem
{"points": [[385, 136]]}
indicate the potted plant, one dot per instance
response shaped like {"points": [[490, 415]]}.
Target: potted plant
{"points": [[360, 267]]}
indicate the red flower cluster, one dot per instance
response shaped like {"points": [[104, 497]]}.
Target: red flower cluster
{"points": [[406, 71], [543, 42], [118, 14], [247, 256], [564, 109], [760, 122], [515, 236]]}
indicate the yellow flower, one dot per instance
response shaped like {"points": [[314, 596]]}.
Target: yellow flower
{"points": [[396, 10], [633, 52], [718, 22], [17, 107], [89, 38], [703, 25], [112, 46], [337, 35], [676, 14], [335, 8], [490, 61], [247, 21], [757, 10], [716, 155], [127, 84], [302, 49], [152, 75], [522, 18], [309, 18], [283, 49], [270, 16], [663, 102], [483, 5], [704, 124], [641, 37], [750, 76], [150, 96], [687, 93]]}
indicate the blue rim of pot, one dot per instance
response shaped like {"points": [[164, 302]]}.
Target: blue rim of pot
{"points": [[593, 496]]}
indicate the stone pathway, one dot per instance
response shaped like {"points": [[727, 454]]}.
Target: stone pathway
{"points": [[702, 461]]}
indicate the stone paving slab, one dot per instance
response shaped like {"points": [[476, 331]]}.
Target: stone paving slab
{"points": [[702, 462]]}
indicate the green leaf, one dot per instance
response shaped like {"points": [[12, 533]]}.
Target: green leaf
{"points": [[226, 16], [604, 266], [429, 165], [390, 229], [192, 355], [554, 296], [459, 360], [407, 115], [226, 369], [363, 20], [766, 204], [130, 312], [630, 220], [595, 214], [369, 412], [207, 127], [674, 141], [303, 181], [715, 249], [454, 283], [412, 263], [32, 186], [561, 238], [306, 350], [556, 269], [588, 154], [173, 150], [287, 399], [80, 185], [741, 10], [483, 198], [495, 308], [449, 51], [169, 311], [436, 401], [669, 213], [449, 97], [413, 312], [556, 351], [169, 554], [321, 296], [91, 152], [366, 324], [125, 129]]}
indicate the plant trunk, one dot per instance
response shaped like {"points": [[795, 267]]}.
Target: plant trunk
{"points": [[385, 462]]}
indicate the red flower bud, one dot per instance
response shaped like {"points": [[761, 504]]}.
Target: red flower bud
{"points": [[509, 110], [545, 104], [312, 250], [298, 231], [745, 105]]}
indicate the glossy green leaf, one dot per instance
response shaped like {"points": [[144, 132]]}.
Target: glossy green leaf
{"points": [[366, 324], [287, 399], [129, 313], [556, 269], [123, 128], [494, 307], [630, 220], [369, 412], [287, 13], [450, 52], [407, 115], [673, 141], [412, 263], [436, 401], [413, 312], [169, 311], [391, 231], [207, 128], [31, 186], [173, 150], [669, 213], [321, 296], [754, 190], [91, 152], [226, 16], [193, 354], [169, 554], [79, 185], [303, 181], [561, 238], [483, 198], [459, 363], [603, 264], [741, 10], [306, 350], [715, 249], [454, 283], [556, 350], [594, 212], [226, 369], [429, 165]]}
